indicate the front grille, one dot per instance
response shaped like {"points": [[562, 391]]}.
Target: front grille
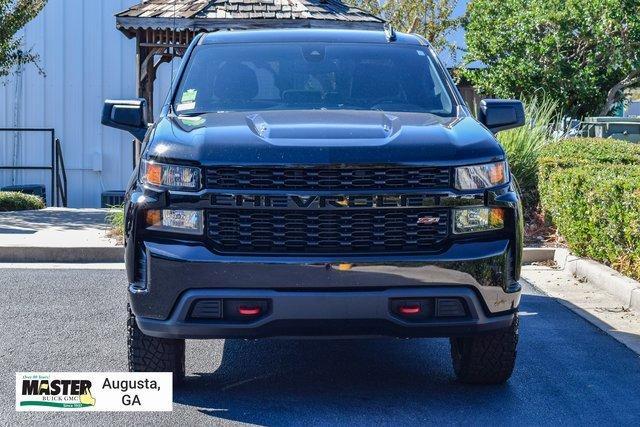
{"points": [[327, 178], [317, 231]]}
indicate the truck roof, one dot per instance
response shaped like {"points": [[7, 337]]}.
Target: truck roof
{"points": [[308, 35]]}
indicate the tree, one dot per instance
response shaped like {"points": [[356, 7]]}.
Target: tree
{"points": [[433, 19], [14, 15], [581, 53]]}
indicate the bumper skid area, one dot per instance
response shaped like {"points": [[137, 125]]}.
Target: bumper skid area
{"points": [[328, 296], [326, 313]]}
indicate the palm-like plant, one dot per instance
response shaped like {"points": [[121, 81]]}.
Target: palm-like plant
{"points": [[523, 144]]}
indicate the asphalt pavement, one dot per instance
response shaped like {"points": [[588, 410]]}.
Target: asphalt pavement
{"points": [[568, 371]]}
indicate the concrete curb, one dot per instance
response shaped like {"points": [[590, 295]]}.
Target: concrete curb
{"points": [[531, 255], [625, 289], [106, 254]]}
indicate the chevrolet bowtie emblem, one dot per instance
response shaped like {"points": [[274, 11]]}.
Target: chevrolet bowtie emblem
{"points": [[343, 202], [428, 220]]}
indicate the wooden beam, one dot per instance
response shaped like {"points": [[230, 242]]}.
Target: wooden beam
{"points": [[152, 45], [150, 79], [137, 145], [150, 55], [164, 58]]}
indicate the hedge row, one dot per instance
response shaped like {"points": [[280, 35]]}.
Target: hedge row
{"points": [[590, 189], [12, 201]]}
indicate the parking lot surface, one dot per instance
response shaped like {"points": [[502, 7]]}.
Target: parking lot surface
{"points": [[568, 371]]}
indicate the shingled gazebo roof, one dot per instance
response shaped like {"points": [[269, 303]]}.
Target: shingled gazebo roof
{"points": [[212, 15]]}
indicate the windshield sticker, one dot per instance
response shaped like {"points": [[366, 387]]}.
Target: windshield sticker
{"points": [[186, 106], [193, 121], [189, 96]]}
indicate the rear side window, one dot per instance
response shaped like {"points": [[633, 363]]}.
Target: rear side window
{"points": [[254, 77]]}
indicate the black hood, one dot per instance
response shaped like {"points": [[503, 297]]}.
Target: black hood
{"points": [[322, 137]]}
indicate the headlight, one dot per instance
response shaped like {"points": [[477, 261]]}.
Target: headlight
{"points": [[481, 176], [175, 221], [172, 177], [475, 220]]}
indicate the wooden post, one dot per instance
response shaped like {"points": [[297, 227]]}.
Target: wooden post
{"points": [[137, 150], [146, 76], [149, 81]]}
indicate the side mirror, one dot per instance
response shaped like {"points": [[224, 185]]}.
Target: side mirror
{"points": [[501, 114], [126, 115]]}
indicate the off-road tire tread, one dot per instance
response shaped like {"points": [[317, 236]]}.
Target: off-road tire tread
{"points": [[151, 354], [486, 358]]}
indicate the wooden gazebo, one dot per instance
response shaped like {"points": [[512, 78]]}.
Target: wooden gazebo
{"points": [[164, 28]]}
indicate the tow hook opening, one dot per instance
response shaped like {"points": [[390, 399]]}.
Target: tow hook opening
{"points": [[419, 309], [410, 309], [229, 310], [413, 309], [244, 310], [249, 310]]}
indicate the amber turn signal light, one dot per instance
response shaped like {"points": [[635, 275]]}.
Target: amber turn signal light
{"points": [[153, 174], [153, 217], [496, 218]]}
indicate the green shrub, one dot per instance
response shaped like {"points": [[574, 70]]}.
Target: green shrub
{"points": [[590, 189], [523, 145], [588, 151], [12, 201], [115, 217]]}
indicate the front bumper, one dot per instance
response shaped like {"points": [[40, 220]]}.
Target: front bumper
{"points": [[326, 313], [328, 296]]}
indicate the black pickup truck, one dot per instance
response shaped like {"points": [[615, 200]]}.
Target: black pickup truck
{"points": [[311, 182]]}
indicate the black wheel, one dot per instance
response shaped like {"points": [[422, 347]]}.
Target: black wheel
{"points": [[487, 358], [151, 354]]}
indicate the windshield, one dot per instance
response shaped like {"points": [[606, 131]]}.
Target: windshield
{"points": [[295, 76]]}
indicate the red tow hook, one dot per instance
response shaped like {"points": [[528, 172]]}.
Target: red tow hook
{"points": [[408, 310], [249, 311]]}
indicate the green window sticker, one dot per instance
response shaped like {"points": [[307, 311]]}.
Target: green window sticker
{"points": [[189, 96], [193, 121]]}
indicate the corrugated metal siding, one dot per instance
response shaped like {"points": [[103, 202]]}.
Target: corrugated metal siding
{"points": [[86, 61]]}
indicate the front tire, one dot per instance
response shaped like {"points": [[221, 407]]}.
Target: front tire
{"points": [[151, 354], [487, 358]]}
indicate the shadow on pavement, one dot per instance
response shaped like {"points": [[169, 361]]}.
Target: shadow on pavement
{"points": [[66, 219], [15, 230], [562, 375]]}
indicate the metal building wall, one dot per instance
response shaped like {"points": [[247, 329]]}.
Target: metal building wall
{"points": [[86, 60]]}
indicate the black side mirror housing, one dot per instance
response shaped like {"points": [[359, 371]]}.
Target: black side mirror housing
{"points": [[128, 115], [501, 114]]}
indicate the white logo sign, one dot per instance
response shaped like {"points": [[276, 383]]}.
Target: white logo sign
{"points": [[94, 391]]}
